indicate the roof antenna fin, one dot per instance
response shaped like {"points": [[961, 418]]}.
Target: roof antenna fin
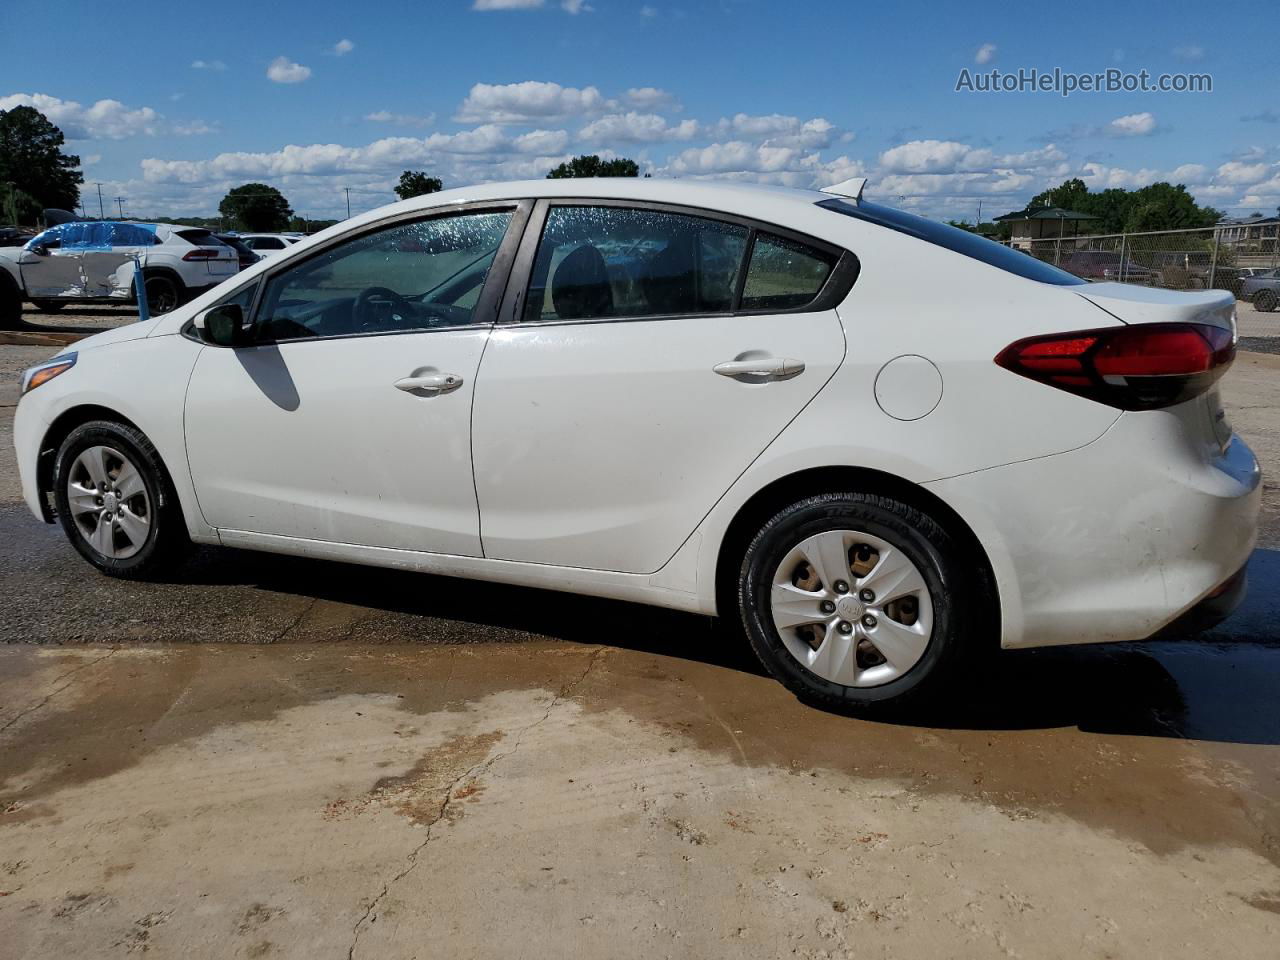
{"points": [[851, 188]]}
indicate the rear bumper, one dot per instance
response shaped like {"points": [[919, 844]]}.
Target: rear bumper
{"points": [[1209, 612], [1117, 540]]}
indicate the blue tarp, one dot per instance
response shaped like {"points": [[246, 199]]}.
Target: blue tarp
{"points": [[98, 235]]}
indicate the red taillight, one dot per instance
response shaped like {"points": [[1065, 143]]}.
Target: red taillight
{"points": [[201, 254], [1138, 367]]}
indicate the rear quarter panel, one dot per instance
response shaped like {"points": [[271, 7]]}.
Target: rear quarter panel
{"points": [[912, 298]]}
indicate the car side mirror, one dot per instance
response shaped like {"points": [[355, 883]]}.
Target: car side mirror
{"points": [[40, 250], [222, 326]]}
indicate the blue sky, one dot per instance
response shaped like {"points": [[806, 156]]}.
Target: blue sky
{"points": [[316, 96]]}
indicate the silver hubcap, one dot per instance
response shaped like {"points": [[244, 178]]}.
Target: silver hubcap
{"points": [[109, 502], [852, 608]]}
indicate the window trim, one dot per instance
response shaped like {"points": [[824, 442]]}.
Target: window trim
{"points": [[486, 304], [844, 273]]}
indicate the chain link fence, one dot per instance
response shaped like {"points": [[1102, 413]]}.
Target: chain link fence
{"points": [[1243, 259]]}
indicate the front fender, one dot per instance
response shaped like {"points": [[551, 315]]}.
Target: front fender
{"points": [[143, 380]]}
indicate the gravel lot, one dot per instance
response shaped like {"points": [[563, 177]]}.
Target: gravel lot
{"points": [[270, 757]]}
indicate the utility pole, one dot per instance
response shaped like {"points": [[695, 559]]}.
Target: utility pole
{"points": [[120, 206], [102, 215], [979, 213], [347, 190]]}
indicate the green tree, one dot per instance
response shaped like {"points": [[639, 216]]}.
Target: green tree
{"points": [[415, 183], [592, 166], [1158, 206], [256, 207], [31, 158]]}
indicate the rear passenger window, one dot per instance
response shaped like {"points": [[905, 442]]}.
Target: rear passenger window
{"points": [[784, 274], [597, 262]]}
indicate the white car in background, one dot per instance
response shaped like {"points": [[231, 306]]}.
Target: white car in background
{"points": [[268, 244], [718, 398], [95, 261]]}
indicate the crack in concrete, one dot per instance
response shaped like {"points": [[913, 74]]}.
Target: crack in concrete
{"points": [[296, 620], [54, 693], [475, 770]]}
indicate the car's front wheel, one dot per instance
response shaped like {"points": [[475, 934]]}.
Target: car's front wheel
{"points": [[115, 501], [853, 599]]}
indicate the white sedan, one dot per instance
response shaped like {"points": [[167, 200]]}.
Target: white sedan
{"points": [[879, 443]]}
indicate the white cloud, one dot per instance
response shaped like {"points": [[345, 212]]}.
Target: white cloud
{"points": [[575, 7], [217, 65], [633, 127], [739, 156], [343, 47], [1132, 125], [194, 128], [284, 70], [1235, 172], [103, 120], [401, 119], [506, 4], [530, 101], [1190, 52], [542, 142], [487, 144], [986, 53], [648, 11], [779, 130], [648, 98]]}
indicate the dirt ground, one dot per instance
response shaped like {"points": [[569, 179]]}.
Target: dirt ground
{"points": [[268, 757]]}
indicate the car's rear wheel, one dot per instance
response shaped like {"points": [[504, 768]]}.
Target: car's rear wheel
{"points": [[115, 501], [853, 599], [48, 306], [1265, 301], [164, 294]]}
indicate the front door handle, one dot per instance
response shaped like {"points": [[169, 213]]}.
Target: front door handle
{"points": [[430, 384], [760, 369]]}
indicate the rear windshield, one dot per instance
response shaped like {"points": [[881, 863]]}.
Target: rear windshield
{"points": [[954, 239], [201, 238]]}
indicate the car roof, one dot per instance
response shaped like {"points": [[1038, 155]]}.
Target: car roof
{"points": [[785, 206]]}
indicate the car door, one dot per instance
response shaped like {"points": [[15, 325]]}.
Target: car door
{"points": [[347, 418], [109, 264], [49, 269], [650, 355]]}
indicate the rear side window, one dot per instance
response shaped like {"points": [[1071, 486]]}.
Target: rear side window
{"points": [[265, 243], [954, 239], [784, 274], [200, 238], [601, 262]]}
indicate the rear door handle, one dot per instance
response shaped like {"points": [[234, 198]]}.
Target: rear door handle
{"points": [[759, 369], [432, 384]]}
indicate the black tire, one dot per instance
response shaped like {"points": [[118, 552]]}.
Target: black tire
{"points": [[164, 293], [1265, 300], [960, 601], [166, 535], [10, 303], [49, 306]]}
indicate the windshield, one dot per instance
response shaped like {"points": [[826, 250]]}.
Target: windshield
{"points": [[954, 239]]}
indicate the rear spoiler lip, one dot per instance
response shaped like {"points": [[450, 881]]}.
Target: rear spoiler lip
{"points": [[1133, 304]]}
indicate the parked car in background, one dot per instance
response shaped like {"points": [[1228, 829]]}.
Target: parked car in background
{"points": [[1100, 265], [15, 236], [266, 244], [245, 254], [712, 397], [1262, 289], [94, 262]]}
